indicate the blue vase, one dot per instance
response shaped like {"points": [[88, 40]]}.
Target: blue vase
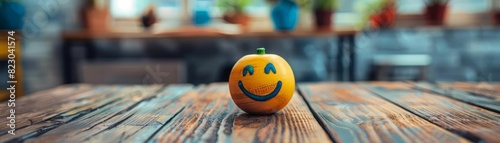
{"points": [[285, 15], [201, 14], [11, 15], [201, 17]]}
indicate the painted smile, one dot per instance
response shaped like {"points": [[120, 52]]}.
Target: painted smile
{"points": [[260, 97]]}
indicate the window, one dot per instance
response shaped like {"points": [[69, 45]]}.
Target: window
{"points": [[169, 9], [128, 8], [456, 6], [175, 9], [348, 12], [259, 8], [469, 6]]}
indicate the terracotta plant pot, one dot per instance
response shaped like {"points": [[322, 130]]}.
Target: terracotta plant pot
{"points": [[237, 18], [95, 19], [323, 19], [383, 19], [435, 14], [495, 17]]}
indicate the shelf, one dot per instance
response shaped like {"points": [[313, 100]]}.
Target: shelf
{"points": [[194, 32]]}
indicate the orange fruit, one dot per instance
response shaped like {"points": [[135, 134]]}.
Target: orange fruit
{"points": [[261, 83]]}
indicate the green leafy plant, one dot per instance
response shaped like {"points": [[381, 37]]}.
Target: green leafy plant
{"points": [[233, 6], [431, 2], [325, 4], [376, 6], [304, 4]]}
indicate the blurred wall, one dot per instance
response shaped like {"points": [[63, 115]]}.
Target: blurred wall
{"points": [[44, 21], [458, 54]]}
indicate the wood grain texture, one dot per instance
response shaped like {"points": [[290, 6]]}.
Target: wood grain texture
{"points": [[474, 123], [141, 122], [79, 112], [46, 104], [352, 114], [486, 89], [482, 95], [213, 117], [101, 115]]}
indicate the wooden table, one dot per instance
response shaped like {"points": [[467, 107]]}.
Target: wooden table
{"points": [[318, 112]]}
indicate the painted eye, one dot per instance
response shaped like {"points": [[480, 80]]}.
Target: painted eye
{"points": [[248, 69], [270, 67]]}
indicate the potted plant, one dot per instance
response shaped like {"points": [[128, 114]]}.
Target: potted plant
{"points": [[323, 10], [95, 15], [495, 12], [234, 11], [379, 14], [495, 16], [435, 11], [11, 14]]}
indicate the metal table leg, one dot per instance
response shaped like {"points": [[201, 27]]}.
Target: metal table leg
{"points": [[67, 62], [340, 58], [352, 58]]}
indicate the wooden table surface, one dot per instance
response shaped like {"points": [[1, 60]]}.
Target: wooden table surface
{"points": [[318, 112]]}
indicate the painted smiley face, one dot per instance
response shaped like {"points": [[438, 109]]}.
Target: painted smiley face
{"points": [[261, 83], [248, 70]]}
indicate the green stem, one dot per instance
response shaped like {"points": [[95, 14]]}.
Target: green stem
{"points": [[261, 51]]}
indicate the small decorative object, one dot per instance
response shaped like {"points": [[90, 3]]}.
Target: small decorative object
{"points": [[305, 20], [201, 14], [11, 15], [323, 10], [496, 17], [380, 13], [95, 16], [234, 11], [285, 15], [149, 18], [495, 12], [261, 83], [201, 17], [435, 11]]}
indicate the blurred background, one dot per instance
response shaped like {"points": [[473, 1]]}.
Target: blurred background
{"points": [[198, 41]]}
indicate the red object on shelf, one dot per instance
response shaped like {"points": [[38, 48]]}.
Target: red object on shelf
{"points": [[436, 13], [237, 18], [385, 18]]}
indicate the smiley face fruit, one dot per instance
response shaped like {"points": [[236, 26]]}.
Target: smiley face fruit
{"points": [[261, 83]]}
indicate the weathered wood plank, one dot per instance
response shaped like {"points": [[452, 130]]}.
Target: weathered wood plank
{"points": [[469, 93], [213, 117], [141, 122], [474, 123], [34, 108], [353, 114], [96, 114], [82, 109], [485, 89], [39, 97]]}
